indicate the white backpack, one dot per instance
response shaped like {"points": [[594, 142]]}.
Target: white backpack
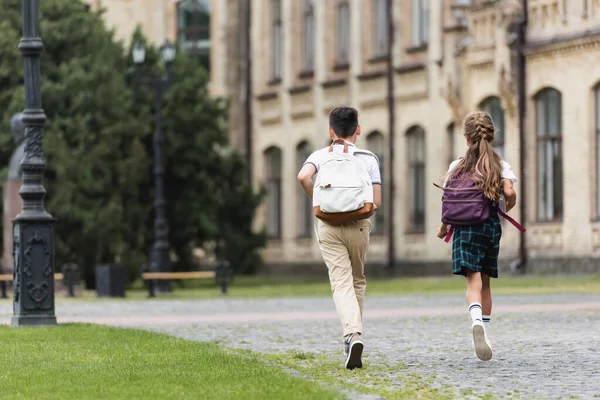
{"points": [[343, 183]]}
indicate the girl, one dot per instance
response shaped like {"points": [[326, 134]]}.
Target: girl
{"points": [[475, 247]]}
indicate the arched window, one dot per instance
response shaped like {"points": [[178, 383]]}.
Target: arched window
{"points": [[548, 117], [376, 144], [305, 212], [193, 28], [491, 105], [415, 138], [273, 179]]}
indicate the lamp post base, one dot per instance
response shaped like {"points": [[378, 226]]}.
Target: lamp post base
{"points": [[33, 320], [33, 244]]}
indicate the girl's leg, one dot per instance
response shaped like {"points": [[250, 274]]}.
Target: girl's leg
{"points": [[474, 287], [483, 349], [486, 301]]}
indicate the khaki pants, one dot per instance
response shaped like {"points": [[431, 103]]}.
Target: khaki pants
{"points": [[344, 249]]}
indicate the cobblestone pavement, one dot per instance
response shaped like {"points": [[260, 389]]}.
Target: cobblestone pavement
{"points": [[544, 346]]}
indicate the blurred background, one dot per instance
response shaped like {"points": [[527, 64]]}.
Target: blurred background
{"points": [[241, 91]]}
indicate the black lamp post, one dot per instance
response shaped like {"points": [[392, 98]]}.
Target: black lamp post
{"points": [[33, 228], [159, 258]]}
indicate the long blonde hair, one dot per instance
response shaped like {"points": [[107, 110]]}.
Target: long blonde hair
{"points": [[481, 162]]}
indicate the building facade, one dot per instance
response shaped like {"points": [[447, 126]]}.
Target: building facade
{"points": [[186, 22], [449, 57]]}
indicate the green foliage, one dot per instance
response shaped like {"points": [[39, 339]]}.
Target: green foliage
{"points": [[98, 145]]}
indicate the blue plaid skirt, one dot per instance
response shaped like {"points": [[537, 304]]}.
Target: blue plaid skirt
{"points": [[476, 248]]}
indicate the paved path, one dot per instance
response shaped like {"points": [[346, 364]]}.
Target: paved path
{"points": [[545, 346]]}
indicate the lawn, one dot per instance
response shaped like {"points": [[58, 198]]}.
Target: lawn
{"points": [[260, 287], [93, 362]]}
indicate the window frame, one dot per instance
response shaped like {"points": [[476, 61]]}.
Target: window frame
{"points": [[304, 206], [380, 29], [419, 32], [379, 226], [308, 48], [597, 138], [276, 41], [193, 32], [544, 212], [489, 104], [416, 167], [274, 154], [451, 137], [342, 34]]}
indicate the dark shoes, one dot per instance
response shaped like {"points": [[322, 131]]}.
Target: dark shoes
{"points": [[353, 347]]}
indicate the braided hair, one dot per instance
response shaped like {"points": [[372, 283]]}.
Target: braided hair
{"points": [[481, 162]]}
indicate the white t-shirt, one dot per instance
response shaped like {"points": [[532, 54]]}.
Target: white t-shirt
{"points": [[370, 162], [507, 172]]}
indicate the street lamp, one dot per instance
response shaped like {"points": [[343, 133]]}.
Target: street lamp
{"points": [[33, 228], [159, 257]]}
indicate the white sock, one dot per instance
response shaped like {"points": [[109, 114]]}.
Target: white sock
{"points": [[487, 319], [475, 311]]}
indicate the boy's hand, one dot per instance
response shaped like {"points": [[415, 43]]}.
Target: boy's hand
{"points": [[442, 231]]}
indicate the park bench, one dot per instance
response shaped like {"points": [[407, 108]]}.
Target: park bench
{"points": [[222, 274], [70, 276]]}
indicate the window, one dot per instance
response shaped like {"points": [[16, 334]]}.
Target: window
{"points": [[420, 22], [343, 33], [376, 144], [491, 105], [597, 123], [305, 210], [549, 155], [451, 143], [193, 27], [276, 40], [273, 201], [416, 178], [309, 36], [380, 28]]}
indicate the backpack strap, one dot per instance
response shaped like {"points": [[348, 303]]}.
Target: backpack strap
{"points": [[339, 141], [367, 152], [511, 220]]}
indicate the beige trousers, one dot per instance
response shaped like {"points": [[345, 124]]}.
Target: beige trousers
{"points": [[344, 249]]}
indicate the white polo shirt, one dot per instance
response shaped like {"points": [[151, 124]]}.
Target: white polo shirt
{"points": [[371, 163]]}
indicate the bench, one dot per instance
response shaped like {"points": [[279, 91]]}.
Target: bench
{"points": [[222, 274], [70, 277], [4, 278]]}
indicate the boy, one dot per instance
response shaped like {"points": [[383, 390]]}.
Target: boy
{"points": [[344, 247]]}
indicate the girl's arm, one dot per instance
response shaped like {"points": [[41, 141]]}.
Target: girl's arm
{"points": [[442, 231], [509, 194]]}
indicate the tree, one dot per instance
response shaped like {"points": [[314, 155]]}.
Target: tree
{"points": [[208, 196], [94, 134], [98, 145]]}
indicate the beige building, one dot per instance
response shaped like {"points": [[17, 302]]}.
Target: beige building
{"points": [[449, 57]]}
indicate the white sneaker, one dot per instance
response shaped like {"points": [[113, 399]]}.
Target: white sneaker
{"points": [[481, 343]]}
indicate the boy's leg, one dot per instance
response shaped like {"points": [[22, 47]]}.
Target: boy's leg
{"points": [[335, 254], [358, 244]]}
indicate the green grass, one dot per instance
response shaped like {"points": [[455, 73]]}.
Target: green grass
{"points": [[257, 287], [93, 362], [389, 381]]}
